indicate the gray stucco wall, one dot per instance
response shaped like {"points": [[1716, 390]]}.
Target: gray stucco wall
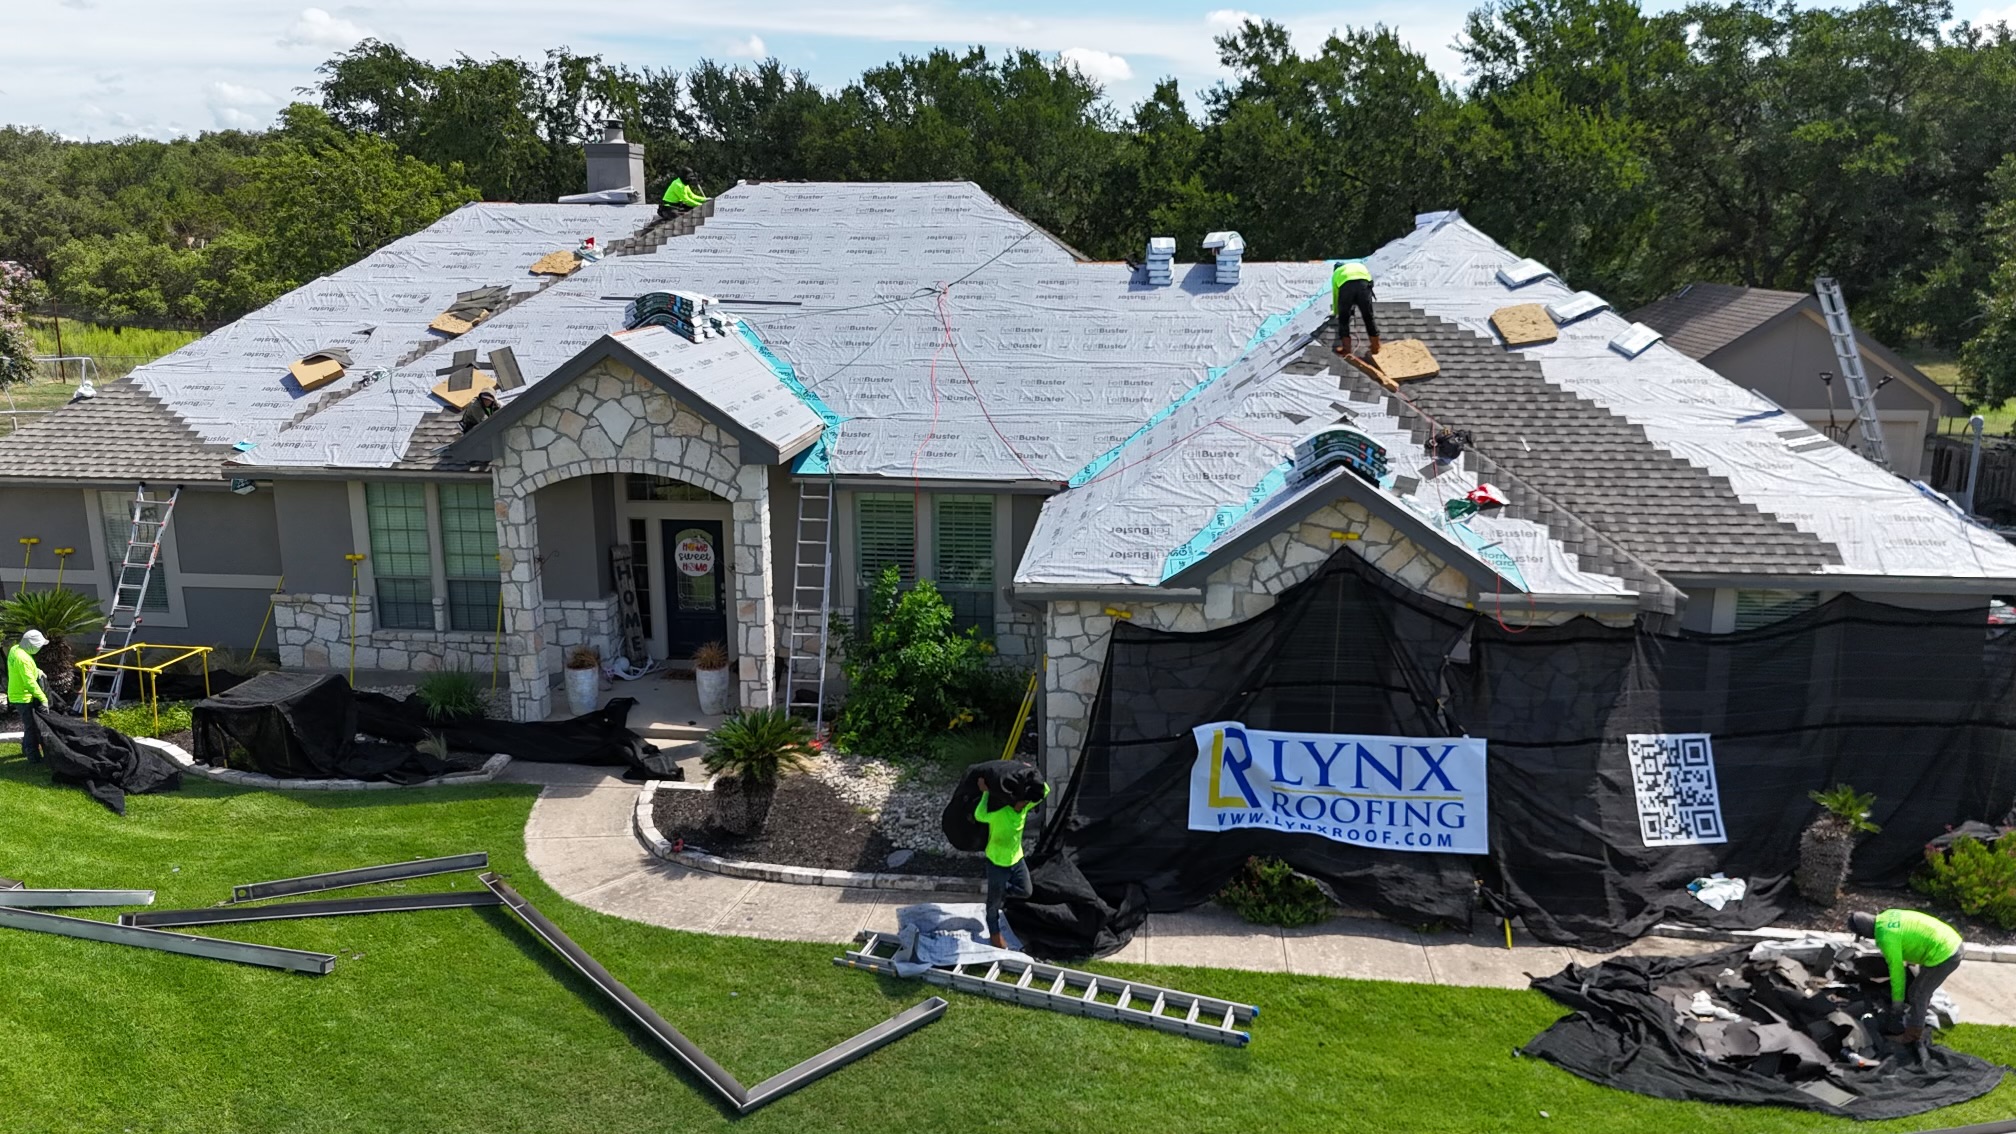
{"points": [[1022, 524], [576, 523], [221, 533], [1784, 362], [312, 519], [53, 515]]}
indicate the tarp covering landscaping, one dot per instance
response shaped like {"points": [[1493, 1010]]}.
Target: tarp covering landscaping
{"points": [[1789, 1026], [1916, 706], [106, 763]]}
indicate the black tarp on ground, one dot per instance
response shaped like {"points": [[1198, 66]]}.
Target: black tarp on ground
{"points": [[1625, 1032], [1916, 706], [601, 738], [299, 726], [106, 763]]}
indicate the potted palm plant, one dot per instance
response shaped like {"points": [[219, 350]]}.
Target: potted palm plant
{"points": [[1828, 843], [710, 677], [747, 755], [584, 679], [61, 615]]}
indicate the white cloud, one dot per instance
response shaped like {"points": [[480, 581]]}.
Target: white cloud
{"points": [[1100, 65], [1991, 16], [235, 107], [1230, 18], [317, 28], [751, 48]]}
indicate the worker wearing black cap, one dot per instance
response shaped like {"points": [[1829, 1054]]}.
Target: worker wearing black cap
{"points": [[1910, 940]]}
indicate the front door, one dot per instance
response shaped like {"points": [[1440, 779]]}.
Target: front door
{"points": [[695, 587]]}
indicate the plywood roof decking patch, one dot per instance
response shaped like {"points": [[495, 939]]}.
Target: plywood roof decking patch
{"points": [[1402, 360], [315, 372], [1524, 324], [562, 263], [449, 325], [460, 399]]}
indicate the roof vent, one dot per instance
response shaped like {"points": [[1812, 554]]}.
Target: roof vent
{"points": [[1161, 260], [1576, 307], [1522, 273], [1636, 340], [614, 164], [1229, 248]]}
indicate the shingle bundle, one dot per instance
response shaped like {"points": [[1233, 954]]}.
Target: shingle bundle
{"points": [[688, 314], [1161, 259], [1230, 249]]}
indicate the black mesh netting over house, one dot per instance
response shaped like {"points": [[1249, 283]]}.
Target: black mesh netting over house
{"points": [[1916, 706]]}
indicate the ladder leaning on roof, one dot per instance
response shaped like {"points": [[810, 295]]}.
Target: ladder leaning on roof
{"points": [[806, 622], [1842, 331], [133, 570]]}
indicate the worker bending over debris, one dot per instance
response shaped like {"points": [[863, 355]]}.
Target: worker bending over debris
{"points": [[1920, 941], [1351, 286], [684, 193], [479, 410], [24, 691], [1007, 871]]}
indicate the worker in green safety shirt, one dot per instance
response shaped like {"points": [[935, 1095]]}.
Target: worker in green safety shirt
{"points": [[1920, 941], [684, 193], [1007, 870], [25, 691], [1351, 287]]}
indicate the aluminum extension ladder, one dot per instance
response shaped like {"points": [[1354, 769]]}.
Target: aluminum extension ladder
{"points": [[150, 518], [1842, 331], [806, 626], [1072, 992]]}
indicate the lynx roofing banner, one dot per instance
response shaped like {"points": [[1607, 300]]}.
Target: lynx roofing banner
{"points": [[1387, 792]]}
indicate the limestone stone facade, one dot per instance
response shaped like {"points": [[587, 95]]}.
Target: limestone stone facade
{"points": [[610, 420], [315, 631], [1076, 633]]}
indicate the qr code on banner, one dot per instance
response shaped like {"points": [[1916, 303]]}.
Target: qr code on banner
{"points": [[1674, 776]]}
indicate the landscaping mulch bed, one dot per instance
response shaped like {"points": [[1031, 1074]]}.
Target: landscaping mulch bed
{"points": [[1802, 914], [810, 825]]}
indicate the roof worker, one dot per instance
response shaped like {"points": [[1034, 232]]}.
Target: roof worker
{"points": [[25, 690], [1928, 946], [479, 410], [1351, 286], [684, 193], [1007, 870]]}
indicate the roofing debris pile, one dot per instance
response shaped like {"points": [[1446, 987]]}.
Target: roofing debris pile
{"points": [[1792, 1024]]}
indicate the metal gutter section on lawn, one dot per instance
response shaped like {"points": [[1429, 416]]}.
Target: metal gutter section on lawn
{"points": [[268, 956], [22, 898], [394, 903], [363, 875], [742, 1099]]}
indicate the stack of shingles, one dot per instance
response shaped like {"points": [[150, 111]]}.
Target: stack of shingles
{"points": [[1161, 260], [469, 309], [689, 314], [1230, 249]]}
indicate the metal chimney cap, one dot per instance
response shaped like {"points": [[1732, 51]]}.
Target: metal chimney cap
{"points": [[612, 130]]}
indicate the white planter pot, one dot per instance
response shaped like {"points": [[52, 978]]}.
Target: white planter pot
{"points": [[583, 686], [712, 685]]}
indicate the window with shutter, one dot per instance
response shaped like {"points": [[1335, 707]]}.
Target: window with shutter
{"points": [[885, 534], [397, 516], [962, 537], [117, 510], [1763, 607], [469, 555]]}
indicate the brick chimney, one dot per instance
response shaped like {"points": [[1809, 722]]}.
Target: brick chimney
{"points": [[614, 163]]}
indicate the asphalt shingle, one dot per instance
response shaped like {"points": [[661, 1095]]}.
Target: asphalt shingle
{"points": [[124, 433], [1702, 318]]}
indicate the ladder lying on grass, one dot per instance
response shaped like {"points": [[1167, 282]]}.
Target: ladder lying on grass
{"points": [[1072, 992], [134, 570], [1842, 331], [805, 626]]}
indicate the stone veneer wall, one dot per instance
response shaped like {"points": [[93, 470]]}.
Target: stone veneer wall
{"points": [[1075, 633], [580, 622], [610, 420], [313, 632]]}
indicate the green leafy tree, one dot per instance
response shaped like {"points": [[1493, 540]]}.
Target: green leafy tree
{"points": [[17, 347], [910, 676], [1988, 364]]}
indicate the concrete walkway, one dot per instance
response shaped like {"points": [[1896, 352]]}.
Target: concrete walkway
{"points": [[579, 839]]}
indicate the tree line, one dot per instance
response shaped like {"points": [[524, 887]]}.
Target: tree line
{"points": [[1744, 142]]}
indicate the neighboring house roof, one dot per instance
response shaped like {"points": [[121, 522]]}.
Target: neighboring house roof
{"points": [[1703, 318], [123, 434]]}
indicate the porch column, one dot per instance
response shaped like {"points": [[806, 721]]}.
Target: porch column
{"points": [[755, 605], [524, 636]]}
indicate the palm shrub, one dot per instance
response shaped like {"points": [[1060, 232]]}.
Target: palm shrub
{"points": [[61, 614], [1268, 891], [1828, 843], [747, 754], [911, 678], [1975, 877]]}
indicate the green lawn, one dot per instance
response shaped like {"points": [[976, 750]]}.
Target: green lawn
{"points": [[114, 351], [454, 1020], [1943, 367]]}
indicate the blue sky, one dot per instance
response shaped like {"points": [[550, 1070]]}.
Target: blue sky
{"points": [[108, 68]]}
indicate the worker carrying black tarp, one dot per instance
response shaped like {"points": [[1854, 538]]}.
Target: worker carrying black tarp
{"points": [[1920, 943], [1351, 286]]}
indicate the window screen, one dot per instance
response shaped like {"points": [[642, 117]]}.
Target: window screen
{"points": [[1762, 608], [885, 531], [963, 559], [117, 508], [469, 556], [397, 516]]}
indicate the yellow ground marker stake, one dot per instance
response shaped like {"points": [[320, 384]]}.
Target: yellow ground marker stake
{"points": [[27, 548], [1022, 715], [265, 622], [1508, 933], [354, 559], [62, 555]]}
